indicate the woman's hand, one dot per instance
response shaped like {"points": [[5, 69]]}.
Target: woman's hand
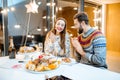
{"points": [[77, 46], [62, 52], [52, 37], [75, 42]]}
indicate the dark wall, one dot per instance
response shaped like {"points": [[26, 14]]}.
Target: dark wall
{"points": [[20, 40], [0, 16], [1, 28]]}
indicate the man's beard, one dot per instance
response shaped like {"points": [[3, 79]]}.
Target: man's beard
{"points": [[80, 29]]}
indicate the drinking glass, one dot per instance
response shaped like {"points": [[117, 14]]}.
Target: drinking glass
{"points": [[26, 56], [40, 45]]}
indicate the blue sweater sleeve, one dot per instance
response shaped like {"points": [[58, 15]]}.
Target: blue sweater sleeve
{"points": [[99, 51]]}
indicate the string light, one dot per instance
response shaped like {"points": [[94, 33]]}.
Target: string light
{"points": [[97, 18], [38, 29], [45, 29], [71, 35], [60, 8], [17, 26], [4, 11], [75, 8], [8, 10], [28, 35], [12, 9], [39, 3], [48, 4], [44, 17]]}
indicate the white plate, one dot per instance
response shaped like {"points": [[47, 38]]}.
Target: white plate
{"points": [[36, 72], [42, 72]]}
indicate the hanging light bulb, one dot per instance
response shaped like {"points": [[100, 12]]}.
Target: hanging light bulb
{"points": [[17, 26], [39, 3], [38, 29], [28, 35], [75, 8], [60, 8], [32, 36], [12, 9], [45, 29], [8, 10]]}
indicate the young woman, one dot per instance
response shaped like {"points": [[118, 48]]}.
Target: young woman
{"points": [[57, 40]]}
